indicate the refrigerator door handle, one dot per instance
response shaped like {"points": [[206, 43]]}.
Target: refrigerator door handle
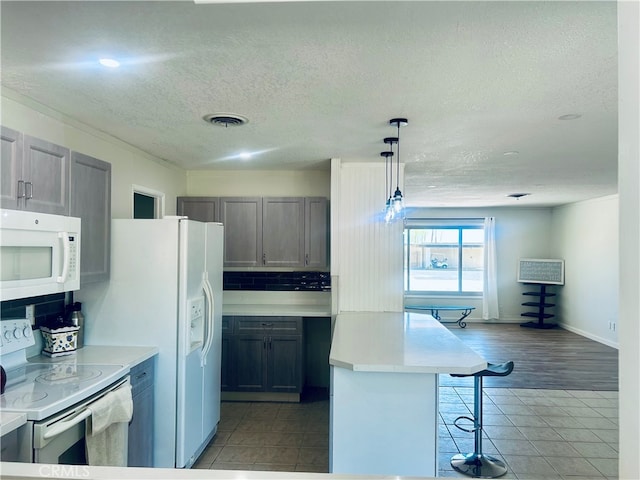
{"points": [[208, 292]]}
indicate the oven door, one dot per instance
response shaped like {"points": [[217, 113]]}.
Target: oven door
{"points": [[60, 439]]}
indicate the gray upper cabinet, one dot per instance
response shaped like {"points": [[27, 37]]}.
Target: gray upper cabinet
{"points": [[315, 232], [283, 231], [11, 168], [45, 171], [266, 231], [91, 201], [242, 219], [203, 209], [35, 174]]}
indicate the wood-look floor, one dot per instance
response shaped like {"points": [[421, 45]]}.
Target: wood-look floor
{"points": [[551, 359]]}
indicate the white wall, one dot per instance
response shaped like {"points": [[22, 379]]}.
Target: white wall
{"points": [[520, 233], [585, 235], [628, 188], [261, 183], [129, 165]]}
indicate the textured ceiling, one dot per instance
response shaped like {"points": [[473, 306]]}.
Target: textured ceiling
{"points": [[320, 80]]}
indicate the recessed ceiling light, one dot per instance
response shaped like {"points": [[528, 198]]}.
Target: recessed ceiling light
{"points": [[569, 116], [109, 62], [511, 153], [517, 196], [245, 155]]}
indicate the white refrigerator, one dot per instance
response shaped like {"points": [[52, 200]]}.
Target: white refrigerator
{"points": [[165, 290]]}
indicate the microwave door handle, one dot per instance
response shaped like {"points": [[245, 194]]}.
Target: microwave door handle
{"points": [[28, 190], [66, 425], [66, 250], [21, 189]]}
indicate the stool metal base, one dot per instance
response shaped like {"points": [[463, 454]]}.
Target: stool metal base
{"points": [[478, 465]]}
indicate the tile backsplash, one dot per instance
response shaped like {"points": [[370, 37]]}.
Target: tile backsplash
{"points": [[278, 281], [47, 308]]}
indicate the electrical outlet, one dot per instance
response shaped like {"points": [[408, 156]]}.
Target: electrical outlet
{"points": [[30, 314]]}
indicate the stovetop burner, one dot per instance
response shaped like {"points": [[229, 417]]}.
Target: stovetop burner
{"points": [[43, 389], [67, 374]]}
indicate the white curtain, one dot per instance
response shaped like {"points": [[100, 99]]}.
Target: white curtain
{"points": [[490, 292]]}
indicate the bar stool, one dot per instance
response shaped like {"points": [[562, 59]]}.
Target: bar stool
{"points": [[477, 464]]}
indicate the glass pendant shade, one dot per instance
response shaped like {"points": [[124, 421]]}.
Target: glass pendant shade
{"points": [[398, 202]]}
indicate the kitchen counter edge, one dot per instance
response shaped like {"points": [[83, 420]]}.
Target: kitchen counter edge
{"points": [[399, 343], [103, 355], [265, 310], [33, 471]]}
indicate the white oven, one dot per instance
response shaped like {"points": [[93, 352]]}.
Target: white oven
{"points": [[40, 254], [55, 396], [61, 438]]}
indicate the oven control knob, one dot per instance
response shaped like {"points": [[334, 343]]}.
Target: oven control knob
{"points": [[17, 333], [26, 332], [7, 334]]}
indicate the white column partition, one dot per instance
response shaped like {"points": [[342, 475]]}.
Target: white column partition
{"points": [[368, 264]]}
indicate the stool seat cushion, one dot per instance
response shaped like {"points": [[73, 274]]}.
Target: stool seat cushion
{"points": [[492, 370]]}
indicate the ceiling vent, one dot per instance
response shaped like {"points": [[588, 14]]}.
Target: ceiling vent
{"points": [[225, 119]]}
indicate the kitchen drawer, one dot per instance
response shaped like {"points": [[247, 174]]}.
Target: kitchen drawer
{"points": [[277, 325], [141, 376]]}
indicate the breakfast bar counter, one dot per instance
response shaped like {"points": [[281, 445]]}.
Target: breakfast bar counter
{"points": [[384, 391]]}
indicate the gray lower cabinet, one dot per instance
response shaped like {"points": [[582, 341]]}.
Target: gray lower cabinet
{"points": [[225, 374], [35, 174], [265, 354], [203, 209], [141, 425], [91, 201]]}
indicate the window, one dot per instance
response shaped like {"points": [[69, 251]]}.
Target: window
{"points": [[144, 206], [443, 257], [146, 203]]}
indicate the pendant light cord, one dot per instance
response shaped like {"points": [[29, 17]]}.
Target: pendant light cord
{"points": [[398, 159]]}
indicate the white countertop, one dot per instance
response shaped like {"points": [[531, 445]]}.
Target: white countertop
{"points": [[264, 309], [103, 355], [9, 421], [399, 342], [35, 471]]}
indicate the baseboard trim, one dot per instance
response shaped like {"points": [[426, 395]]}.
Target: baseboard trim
{"points": [[260, 397], [590, 336]]}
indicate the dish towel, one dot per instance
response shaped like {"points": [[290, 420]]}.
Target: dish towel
{"points": [[107, 430]]}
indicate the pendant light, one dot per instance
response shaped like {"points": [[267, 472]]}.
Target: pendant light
{"points": [[398, 200], [389, 212]]}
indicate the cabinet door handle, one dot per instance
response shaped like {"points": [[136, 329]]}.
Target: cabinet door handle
{"points": [[28, 186], [141, 375], [269, 343], [264, 258], [306, 259], [267, 324], [264, 342], [21, 189]]}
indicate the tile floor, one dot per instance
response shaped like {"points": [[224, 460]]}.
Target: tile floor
{"points": [[539, 434]]}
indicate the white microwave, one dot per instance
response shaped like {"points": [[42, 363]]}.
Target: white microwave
{"points": [[39, 254]]}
